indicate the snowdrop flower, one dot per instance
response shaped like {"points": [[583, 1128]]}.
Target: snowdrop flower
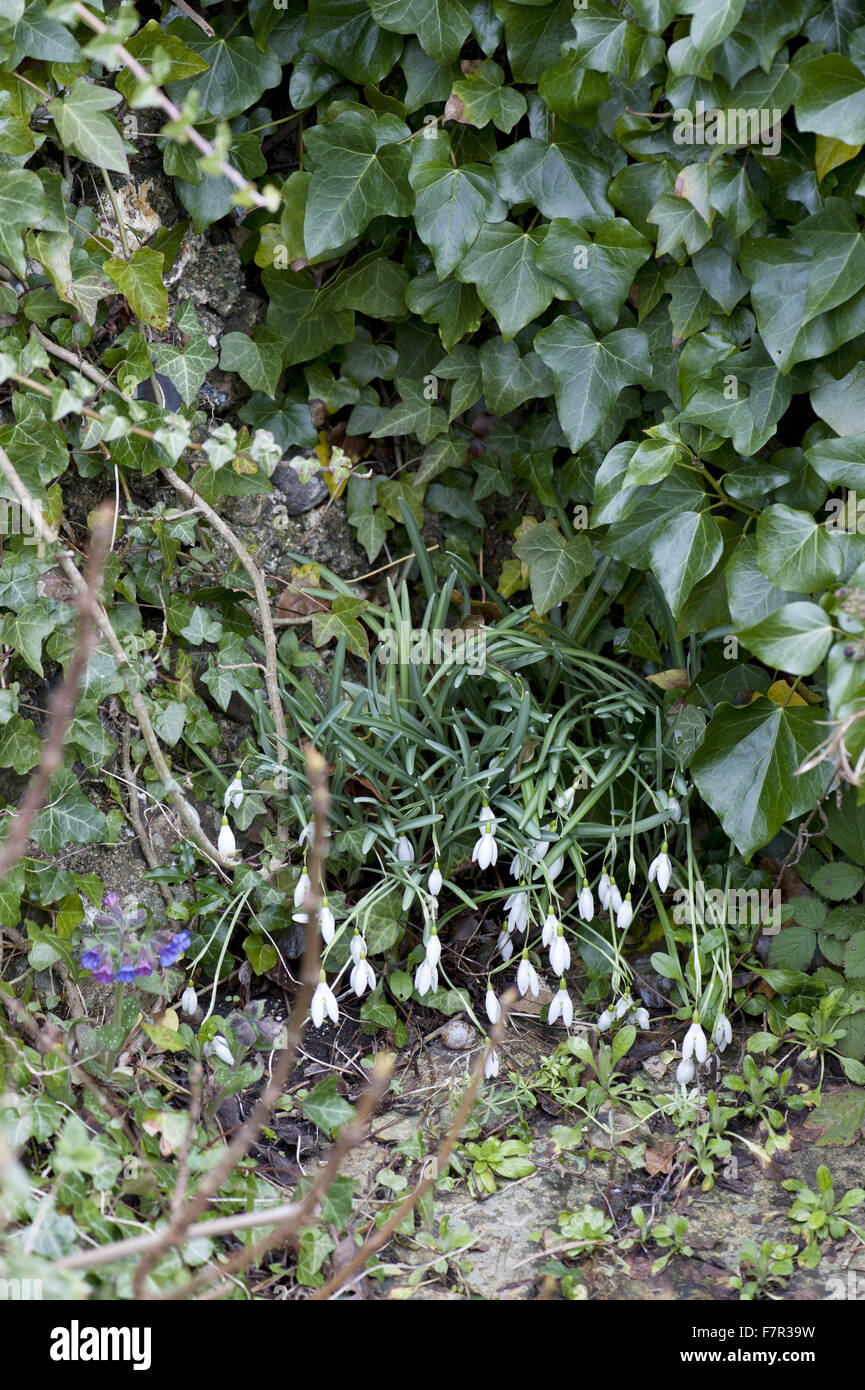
{"points": [[306, 832], [426, 978], [604, 889], [491, 1065], [560, 953], [189, 1001], [586, 904], [623, 1007], [486, 851], [625, 913], [505, 945], [226, 844], [674, 810], [527, 976], [492, 1005], [723, 1033], [660, 869], [565, 800], [301, 889], [606, 1018], [234, 793], [685, 1072], [517, 908], [358, 947], [561, 1007], [362, 976], [694, 1043], [614, 897], [434, 882], [641, 1018], [519, 864], [327, 922], [404, 851], [551, 926], [324, 1001], [219, 1047], [433, 949]]}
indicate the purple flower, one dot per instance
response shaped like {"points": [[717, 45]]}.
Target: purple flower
{"points": [[144, 965], [182, 940], [91, 959], [104, 974], [126, 973], [110, 901]]}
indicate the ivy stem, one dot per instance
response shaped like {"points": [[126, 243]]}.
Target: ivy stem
{"points": [[118, 216]]}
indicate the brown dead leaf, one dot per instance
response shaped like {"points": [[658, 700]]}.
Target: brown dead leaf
{"points": [[661, 1158], [674, 679], [454, 110]]}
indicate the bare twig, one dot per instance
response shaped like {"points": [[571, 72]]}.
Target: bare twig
{"points": [[436, 1169]]}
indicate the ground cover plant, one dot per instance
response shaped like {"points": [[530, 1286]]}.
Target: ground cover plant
{"points": [[432, 609]]}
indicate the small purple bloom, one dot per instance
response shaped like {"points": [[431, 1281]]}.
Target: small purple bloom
{"points": [[90, 960], [104, 974], [182, 940], [125, 973], [145, 964], [111, 900]]}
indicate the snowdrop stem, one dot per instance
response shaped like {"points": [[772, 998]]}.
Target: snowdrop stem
{"points": [[698, 978]]}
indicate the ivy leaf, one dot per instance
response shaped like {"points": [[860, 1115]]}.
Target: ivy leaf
{"points": [[598, 270], [452, 204], [257, 359], [326, 1108], [794, 552], [68, 817], [535, 35], [455, 307], [481, 97], [85, 129], [832, 99], [712, 21], [560, 177], [37, 36], [291, 298], [745, 769], [237, 71], [795, 638], [501, 264], [413, 413], [556, 565], [343, 34], [342, 621], [372, 525], [187, 367], [20, 745], [359, 174], [22, 204], [684, 552], [679, 224], [151, 42], [442, 28], [25, 631], [590, 373], [509, 379], [140, 280]]}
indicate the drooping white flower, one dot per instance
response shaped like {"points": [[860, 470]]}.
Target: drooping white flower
{"points": [[434, 882], [301, 888], [326, 921], [604, 889], [306, 832], [505, 945], [561, 1006], [623, 1007], [674, 810], [527, 977], [560, 953], [234, 793], [486, 851], [357, 947], [723, 1034], [517, 908], [433, 949], [614, 898], [556, 867], [189, 1001], [586, 903], [685, 1072], [660, 869], [226, 844], [694, 1043], [519, 864], [606, 1019], [551, 926], [362, 976], [565, 800], [625, 914], [641, 1018], [491, 1065], [324, 1001], [404, 850], [219, 1047], [492, 1005], [426, 978]]}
